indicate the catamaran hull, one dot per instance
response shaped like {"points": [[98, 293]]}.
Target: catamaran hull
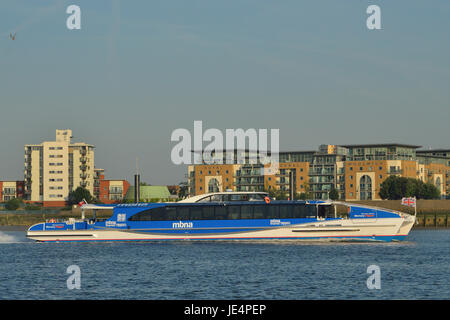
{"points": [[387, 229]]}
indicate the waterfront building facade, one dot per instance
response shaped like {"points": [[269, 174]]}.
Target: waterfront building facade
{"points": [[356, 172], [10, 190], [55, 168], [109, 191]]}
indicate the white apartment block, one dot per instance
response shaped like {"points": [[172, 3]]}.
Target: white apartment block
{"points": [[55, 168]]}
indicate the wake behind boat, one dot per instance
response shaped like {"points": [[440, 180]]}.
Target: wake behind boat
{"points": [[231, 216]]}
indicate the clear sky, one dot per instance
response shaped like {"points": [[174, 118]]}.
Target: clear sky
{"points": [[137, 70]]}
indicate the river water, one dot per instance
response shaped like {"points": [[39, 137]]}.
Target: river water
{"points": [[417, 268]]}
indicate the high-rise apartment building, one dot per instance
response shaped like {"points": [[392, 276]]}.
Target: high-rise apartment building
{"points": [[55, 168]]}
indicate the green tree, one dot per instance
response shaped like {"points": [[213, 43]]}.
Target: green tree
{"points": [[14, 204], [78, 195], [277, 194], [395, 188], [301, 196], [183, 190], [334, 194]]}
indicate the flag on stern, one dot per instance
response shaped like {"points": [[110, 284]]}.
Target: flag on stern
{"points": [[410, 202]]}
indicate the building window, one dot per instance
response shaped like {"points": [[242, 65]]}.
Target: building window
{"points": [[365, 185], [213, 185]]}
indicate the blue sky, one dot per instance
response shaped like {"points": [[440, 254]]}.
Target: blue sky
{"points": [[137, 70]]}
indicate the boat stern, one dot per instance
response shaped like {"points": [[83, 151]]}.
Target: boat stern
{"points": [[407, 224]]}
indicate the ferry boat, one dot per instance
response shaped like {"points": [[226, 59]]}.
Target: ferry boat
{"points": [[231, 216]]}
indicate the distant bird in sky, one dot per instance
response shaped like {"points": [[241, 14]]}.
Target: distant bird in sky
{"points": [[13, 37]]}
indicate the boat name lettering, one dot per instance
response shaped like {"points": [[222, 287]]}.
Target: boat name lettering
{"points": [[133, 205], [110, 223], [278, 222], [365, 215], [181, 224]]}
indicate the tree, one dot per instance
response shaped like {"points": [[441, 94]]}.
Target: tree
{"points": [[14, 204], [334, 194], [301, 196], [277, 194], [183, 190], [395, 188], [78, 195]]}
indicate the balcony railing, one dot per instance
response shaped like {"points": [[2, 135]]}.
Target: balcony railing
{"points": [[394, 171], [115, 191], [8, 191]]}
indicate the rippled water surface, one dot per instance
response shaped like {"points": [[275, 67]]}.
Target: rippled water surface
{"points": [[414, 269]]}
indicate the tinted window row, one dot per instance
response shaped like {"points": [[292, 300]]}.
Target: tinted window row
{"points": [[234, 197], [228, 212]]}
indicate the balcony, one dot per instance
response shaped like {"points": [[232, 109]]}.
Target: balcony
{"points": [[395, 171], [9, 191], [115, 191]]}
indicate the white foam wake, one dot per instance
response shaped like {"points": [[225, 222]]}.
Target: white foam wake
{"points": [[7, 238]]}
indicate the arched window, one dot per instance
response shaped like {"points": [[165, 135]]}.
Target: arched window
{"points": [[213, 185], [438, 183], [365, 188]]}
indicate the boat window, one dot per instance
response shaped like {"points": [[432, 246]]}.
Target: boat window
{"points": [[325, 212], [220, 213], [246, 212], [154, 214], [234, 212], [239, 197], [217, 198], [195, 213], [205, 199], [311, 211], [171, 213], [300, 211], [256, 197], [259, 212], [183, 213], [208, 213], [273, 212], [285, 212]]}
